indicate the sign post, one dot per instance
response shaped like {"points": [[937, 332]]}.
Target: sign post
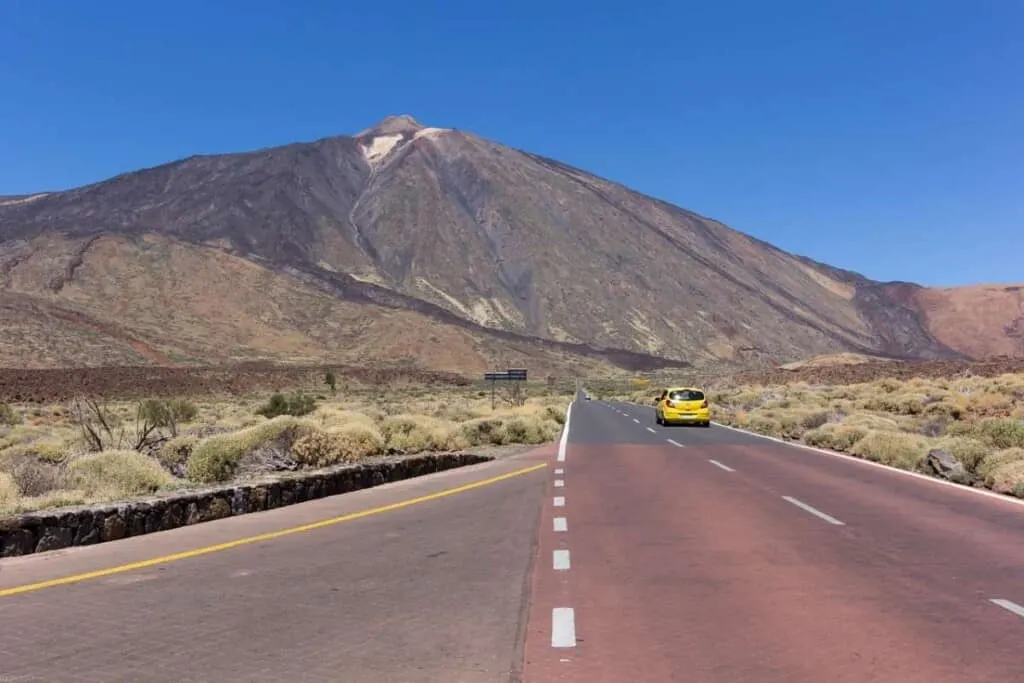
{"points": [[513, 375]]}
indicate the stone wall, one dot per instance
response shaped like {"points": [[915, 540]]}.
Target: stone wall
{"points": [[38, 532]]}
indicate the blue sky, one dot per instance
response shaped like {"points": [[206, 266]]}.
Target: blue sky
{"points": [[885, 136]]}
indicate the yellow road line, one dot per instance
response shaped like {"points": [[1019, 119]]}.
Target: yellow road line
{"points": [[99, 573]]}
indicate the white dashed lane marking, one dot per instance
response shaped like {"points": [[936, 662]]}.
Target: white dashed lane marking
{"points": [[813, 511], [560, 560], [724, 467], [561, 524], [1008, 605], [563, 627]]}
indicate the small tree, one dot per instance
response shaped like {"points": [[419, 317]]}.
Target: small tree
{"points": [[331, 381]]}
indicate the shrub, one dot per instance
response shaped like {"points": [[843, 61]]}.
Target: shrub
{"points": [[482, 432], [556, 414], [175, 453], [905, 451], [836, 437], [814, 420], [168, 414], [969, 452], [216, 458], [994, 462], [999, 433], [8, 415], [1004, 471], [296, 405], [414, 433], [117, 474], [529, 430], [346, 444], [9, 491], [764, 425], [32, 477]]}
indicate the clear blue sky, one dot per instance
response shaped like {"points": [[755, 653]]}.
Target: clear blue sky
{"points": [[886, 136]]}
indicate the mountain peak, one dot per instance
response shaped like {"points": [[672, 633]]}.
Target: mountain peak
{"points": [[392, 125]]}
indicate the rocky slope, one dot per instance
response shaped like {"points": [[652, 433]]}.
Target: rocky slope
{"points": [[431, 244]]}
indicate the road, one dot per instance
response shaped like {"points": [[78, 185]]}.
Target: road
{"points": [[629, 552]]}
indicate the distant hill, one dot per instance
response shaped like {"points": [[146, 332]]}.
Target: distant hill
{"points": [[434, 246]]}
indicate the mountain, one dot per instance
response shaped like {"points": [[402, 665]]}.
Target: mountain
{"points": [[425, 244]]}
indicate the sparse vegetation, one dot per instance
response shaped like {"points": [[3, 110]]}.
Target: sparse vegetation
{"points": [[91, 450], [976, 419], [296, 405]]}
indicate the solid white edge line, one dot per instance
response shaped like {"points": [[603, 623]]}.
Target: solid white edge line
{"points": [[563, 627], [1009, 605], [817, 513], [675, 443], [560, 524], [724, 467], [878, 465], [559, 483], [559, 501], [559, 470], [560, 560], [565, 434]]}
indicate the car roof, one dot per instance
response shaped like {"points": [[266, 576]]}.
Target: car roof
{"points": [[684, 389]]}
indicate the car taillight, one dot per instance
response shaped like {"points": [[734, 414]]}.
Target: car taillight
{"points": [[704, 404]]}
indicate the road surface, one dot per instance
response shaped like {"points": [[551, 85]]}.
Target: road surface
{"points": [[630, 552]]}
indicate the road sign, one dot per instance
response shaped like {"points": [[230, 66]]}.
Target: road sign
{"points": [[506, 376], [512, 375]]}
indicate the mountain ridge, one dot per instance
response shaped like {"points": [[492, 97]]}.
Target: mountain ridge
{"points": [[465, 233]]}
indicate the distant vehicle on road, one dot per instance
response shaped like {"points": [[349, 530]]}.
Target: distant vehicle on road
{"points": [[683, 405]]}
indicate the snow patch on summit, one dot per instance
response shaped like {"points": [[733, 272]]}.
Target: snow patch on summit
{"points": [[379, 147]]}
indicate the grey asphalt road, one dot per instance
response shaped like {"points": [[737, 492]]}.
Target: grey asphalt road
{"points": [[431, 592]]}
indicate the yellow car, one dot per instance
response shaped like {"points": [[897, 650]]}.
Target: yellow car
{"points": [[683, 405]]}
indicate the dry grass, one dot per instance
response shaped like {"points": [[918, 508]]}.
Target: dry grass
{"points": [[978, 420], [46, 462]]}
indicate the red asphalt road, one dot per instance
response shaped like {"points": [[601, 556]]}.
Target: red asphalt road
{"points": [[683, 571]]}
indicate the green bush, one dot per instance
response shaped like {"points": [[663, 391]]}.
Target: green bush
{"points": [[8, 415], [970, 452], [836, 437], [485, 431], [350, 443], [994, 462], [216, 458], [764, 425], [413, 433], [167, 414], [296, 405], [905, 451], [174, 454], [117, 474], [998, 433]]}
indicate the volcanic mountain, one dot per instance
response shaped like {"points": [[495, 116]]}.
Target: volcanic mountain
{"points": [[436, 247]]}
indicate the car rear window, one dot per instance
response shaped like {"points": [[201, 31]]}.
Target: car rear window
{"points": [[686, 395]]}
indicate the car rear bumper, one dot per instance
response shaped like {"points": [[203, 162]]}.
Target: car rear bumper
{"points": [[686, 418]]}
